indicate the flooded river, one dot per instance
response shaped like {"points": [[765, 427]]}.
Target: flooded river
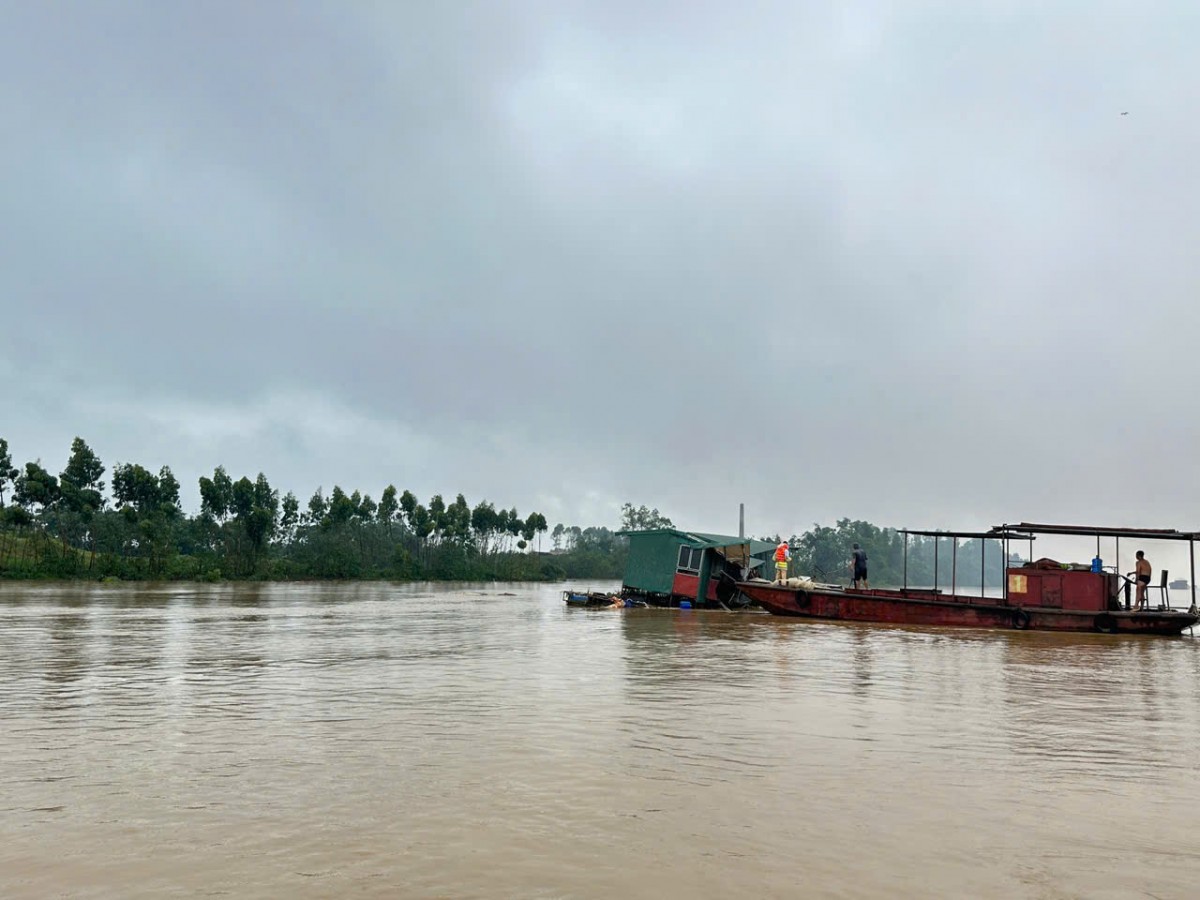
{"points": [[375, 740]]}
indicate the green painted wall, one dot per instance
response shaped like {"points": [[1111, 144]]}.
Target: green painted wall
{"points": [[652, 561]]}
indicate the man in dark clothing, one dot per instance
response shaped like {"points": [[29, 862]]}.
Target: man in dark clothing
{"points": [[859, 562]]}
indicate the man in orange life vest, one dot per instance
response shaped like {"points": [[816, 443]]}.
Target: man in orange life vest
{"points": [[783, 553]]}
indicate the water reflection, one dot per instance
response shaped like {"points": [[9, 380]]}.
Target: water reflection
{"points": [[65, 648]]}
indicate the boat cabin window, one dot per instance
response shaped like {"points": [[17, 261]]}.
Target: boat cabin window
{"points": [[689, 560]]}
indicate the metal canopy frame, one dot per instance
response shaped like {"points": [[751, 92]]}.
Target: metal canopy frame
{"points": [[955, 536], [1156, 534]]}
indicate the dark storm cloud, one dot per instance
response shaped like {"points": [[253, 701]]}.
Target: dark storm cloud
{"points": [[899, 262]]}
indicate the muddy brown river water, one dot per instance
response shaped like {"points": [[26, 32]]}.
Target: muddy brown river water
{"points": [[373, 740]]}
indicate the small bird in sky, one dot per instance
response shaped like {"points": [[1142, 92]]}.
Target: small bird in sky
{"points": [[1124, 113]]}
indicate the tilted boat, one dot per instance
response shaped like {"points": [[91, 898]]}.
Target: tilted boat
{"points": [[599, 599], [1042, 595], [587, 598]]}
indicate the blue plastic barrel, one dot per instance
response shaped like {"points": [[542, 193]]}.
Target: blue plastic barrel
{"points": [[685, 604], [1097, 564]]}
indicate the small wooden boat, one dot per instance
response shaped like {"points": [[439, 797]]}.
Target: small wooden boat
{"points": [[1041, 596], [589, 598]]}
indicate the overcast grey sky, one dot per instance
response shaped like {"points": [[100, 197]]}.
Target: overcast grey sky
{"points": [[900, 261]]}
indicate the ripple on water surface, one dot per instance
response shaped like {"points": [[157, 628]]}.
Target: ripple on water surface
{"points": [[484, 740]]}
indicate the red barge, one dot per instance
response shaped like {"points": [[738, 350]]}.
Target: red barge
{"points": [[1042, 596]]}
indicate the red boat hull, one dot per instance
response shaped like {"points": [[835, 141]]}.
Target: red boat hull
{"points": [[927, 608]]}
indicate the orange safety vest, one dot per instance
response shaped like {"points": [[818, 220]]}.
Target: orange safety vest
{"points": [[781, 553]]}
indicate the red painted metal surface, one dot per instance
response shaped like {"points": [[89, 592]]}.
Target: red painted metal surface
{"points": [[1075, 589], [685, 585], [914, 607]]}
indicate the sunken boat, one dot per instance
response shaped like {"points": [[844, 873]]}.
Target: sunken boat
{"points": [[675, 568]]}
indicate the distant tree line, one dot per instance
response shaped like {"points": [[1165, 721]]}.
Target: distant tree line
{"points": [[69, 525], [824, 554], [73, 525]]}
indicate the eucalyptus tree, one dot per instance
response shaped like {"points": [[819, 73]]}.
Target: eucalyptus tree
{"points": [[36, 491], [388, 509], [362, 522], [642, 518], [80, 480], [408, 505], [8, 476], [216, 494], [458, 521], [135, 488], [534, 524], [81, 495], [289, 518], [437, 517], [216, 504], [484, 523], [513, 524], [265, 497], [8, 472], [242, 516], [135, 494], [422, 526], [168, 492], [262, 517], [149, 507], [341, 508], [318, 509], [500, 531]]}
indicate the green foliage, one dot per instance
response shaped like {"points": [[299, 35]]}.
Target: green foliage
{"points": [[642, 519], [80, 484], [216, 495], [36, 489], [136, 488], [389, 506], [64, 527], [8, 472], [289, 517]]}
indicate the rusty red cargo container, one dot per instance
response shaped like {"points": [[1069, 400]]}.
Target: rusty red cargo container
{"points": [[1071, 589]]}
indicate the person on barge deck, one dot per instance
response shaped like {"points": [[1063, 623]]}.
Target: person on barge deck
{"points": [[858, 562], [1142, 571], [783, 553]]}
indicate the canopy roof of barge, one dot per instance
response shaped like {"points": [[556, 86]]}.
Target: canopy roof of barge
{"points": [[1022, 531], [996, 533]]}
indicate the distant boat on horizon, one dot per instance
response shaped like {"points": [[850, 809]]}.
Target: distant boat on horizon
{"points": [[1179, 584]]}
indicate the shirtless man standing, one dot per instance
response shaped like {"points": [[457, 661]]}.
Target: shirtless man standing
{"points": [[1142, 572]]}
